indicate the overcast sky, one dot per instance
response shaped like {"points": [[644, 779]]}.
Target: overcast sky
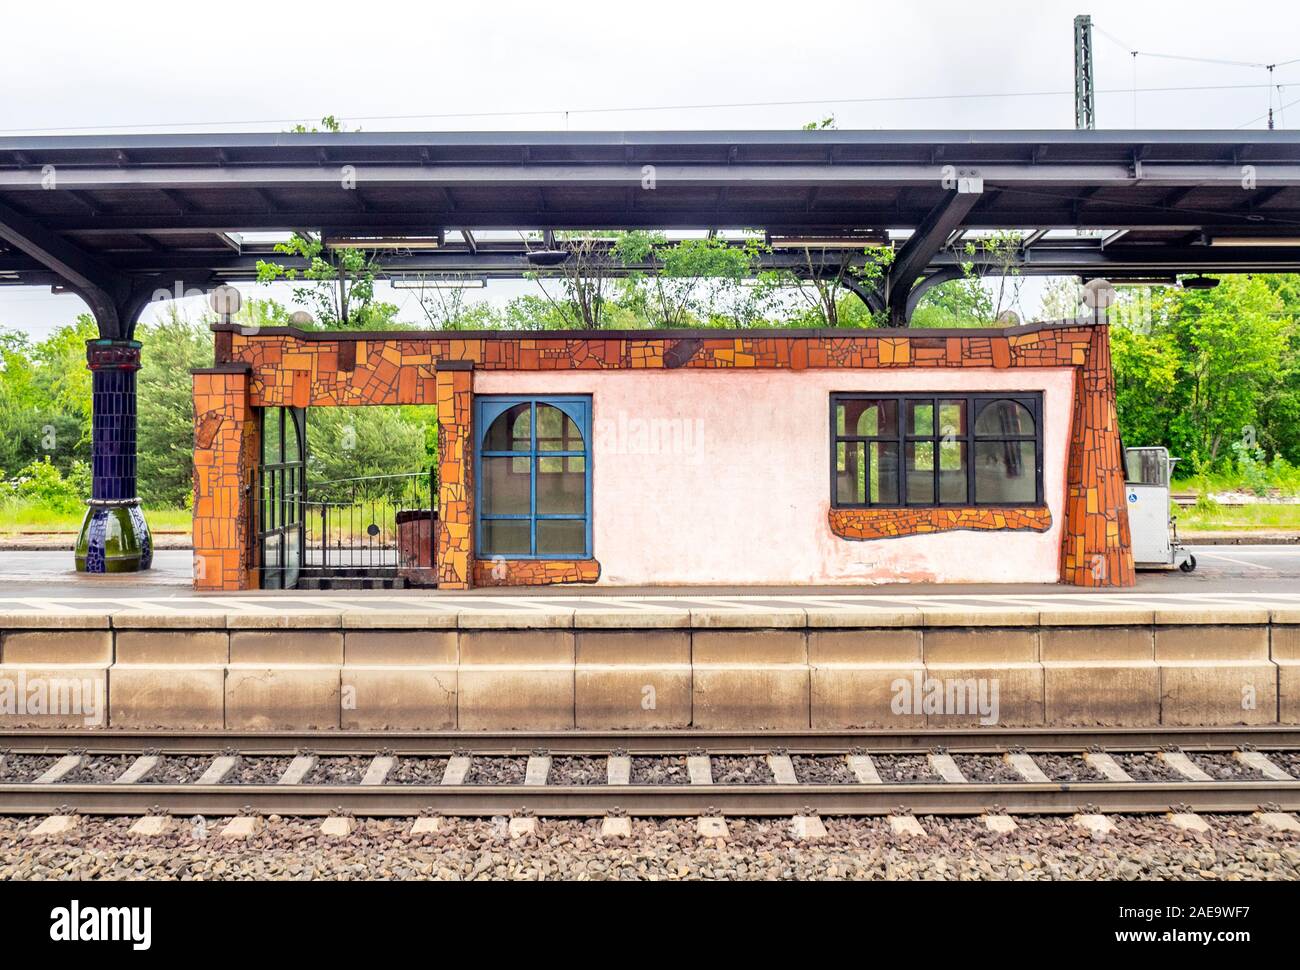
{"points": [[143, 66]]}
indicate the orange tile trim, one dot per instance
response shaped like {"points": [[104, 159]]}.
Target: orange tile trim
{"points": [[894, 523], [534, 572]]}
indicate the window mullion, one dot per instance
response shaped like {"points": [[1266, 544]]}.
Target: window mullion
{"points": [[532, 479], [936, 497], [935, 458], [900, 417], [970, 451]]}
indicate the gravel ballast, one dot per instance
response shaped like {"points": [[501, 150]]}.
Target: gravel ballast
{"points": [[903, 767], [1288, 761], [1067, 767], [578, 771], [417, 770], [1224, 767], [986, 768], [256, 771], [335, 770], [98, 769], [19, 769], [1147, 766], [497, 771], [823, 770], [1041, 848], [659, 771], [740, 770], [177, 770]]}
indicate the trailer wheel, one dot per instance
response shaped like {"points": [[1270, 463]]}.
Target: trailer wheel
{"points": [[1188, 564]]}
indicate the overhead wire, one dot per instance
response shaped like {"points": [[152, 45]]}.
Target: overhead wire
{"points": [[894, 99], [1135, 53]]}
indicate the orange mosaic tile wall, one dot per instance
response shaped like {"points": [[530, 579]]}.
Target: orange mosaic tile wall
{"points": [[534, 572], [1095, 545], [226, 450], [891, 523], [324, 368], [455, 478]]}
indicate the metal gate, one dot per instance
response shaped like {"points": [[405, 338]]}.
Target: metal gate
{"points": [[376, 527], [279, 490]]}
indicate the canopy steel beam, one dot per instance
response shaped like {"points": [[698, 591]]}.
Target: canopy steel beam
{"points": [[926, 283], [1054, 258], [97, 284], [175, 180], [868, 295], [928, 239]]}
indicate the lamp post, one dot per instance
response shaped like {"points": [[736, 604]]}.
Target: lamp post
{"points": [[1098, 295]]}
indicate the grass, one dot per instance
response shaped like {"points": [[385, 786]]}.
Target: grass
{"points": [[27, 517], [1230, 481], [30, 517], [1232, 518]]}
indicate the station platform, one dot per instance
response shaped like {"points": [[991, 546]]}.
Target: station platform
{"points": [[661, 659]]}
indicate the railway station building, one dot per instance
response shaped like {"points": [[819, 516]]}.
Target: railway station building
{"points": [[681, 458]]}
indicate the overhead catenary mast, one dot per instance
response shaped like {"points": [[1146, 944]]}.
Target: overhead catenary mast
{"points": [[1085, 107]]}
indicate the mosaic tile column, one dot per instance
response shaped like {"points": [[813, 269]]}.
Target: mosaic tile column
{"points": [[114, 537], [455, 384], [226, 450], [1096, 549]]}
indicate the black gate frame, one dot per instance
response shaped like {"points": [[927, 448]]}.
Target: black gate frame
{"points": [[279, 494]]}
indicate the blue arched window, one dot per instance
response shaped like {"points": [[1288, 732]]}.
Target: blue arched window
{"points": [[532, 477]]}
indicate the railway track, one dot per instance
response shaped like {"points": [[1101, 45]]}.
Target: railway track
{"points": [[663, 774]]}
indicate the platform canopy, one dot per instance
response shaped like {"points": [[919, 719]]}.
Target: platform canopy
{"points": [[117, 217]]}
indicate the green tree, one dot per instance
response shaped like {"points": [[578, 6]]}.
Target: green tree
{"points": [[1279, 402], [45, 398], [1147, 370], [338, 284], [1229, 341], [256, 314], [989, 287], [172, 347], [693, 282], [818, 294], [446, 306], [360, 442], [958, 303]]}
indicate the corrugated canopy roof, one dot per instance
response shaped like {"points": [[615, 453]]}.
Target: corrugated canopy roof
{"points": [[125, 207]]}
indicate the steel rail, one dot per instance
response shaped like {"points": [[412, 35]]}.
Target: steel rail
{"points": [[972, 740], [645, 800]]}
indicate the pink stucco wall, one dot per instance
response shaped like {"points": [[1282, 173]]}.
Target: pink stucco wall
{"points": [[713, 477]]}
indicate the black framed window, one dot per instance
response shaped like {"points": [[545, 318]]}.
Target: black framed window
{"points": [[922, 450]]}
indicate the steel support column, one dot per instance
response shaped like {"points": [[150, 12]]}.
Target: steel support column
{"points": [[114, 536], [923, 244]]}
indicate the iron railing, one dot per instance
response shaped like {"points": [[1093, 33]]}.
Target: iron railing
{"points": [[353, 523]]}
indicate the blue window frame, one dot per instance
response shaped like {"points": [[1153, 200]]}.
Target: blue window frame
{"points": [[532, 477]]}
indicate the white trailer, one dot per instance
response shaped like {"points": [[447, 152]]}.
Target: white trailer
{"points": [[1154, 533]]}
